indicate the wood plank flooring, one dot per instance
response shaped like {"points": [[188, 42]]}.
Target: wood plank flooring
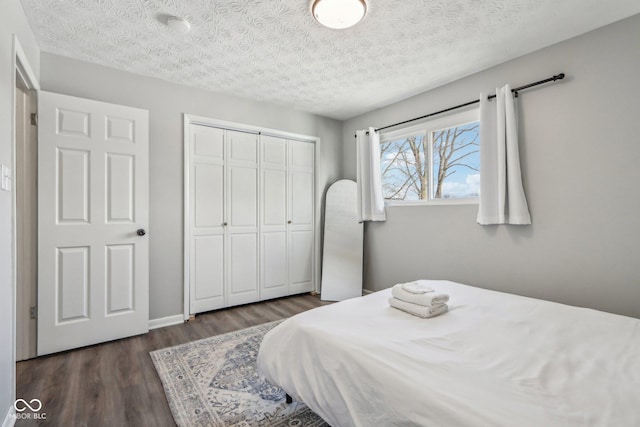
{"points": [[116, 384]]}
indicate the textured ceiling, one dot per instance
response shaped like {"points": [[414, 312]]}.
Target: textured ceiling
{"points": [[273, 50]]}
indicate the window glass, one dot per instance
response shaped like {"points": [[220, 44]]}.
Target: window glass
{"points": [[456, 162], [403, 167], [438, 160]]}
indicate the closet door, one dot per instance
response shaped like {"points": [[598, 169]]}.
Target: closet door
{"points": [[250, 219], [300, 216], [207, 210], [274, 254], [242, 218]]}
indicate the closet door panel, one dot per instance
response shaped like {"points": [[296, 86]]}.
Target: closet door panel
{"points": [[301, 172], [208, 187], [274, 152], [243, 269], [243, 146], [301, 216], [301, 198], [243, 197], [275, 197], [301, 262], [207, 210], [208, 272], [242, 218], [207, 142], [274, 280], [274, 256], [302, 154]]}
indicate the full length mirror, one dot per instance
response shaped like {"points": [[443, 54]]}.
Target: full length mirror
{"points": [[343, 234]]}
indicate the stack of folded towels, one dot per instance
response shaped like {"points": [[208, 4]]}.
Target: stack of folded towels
{"points": [[418, 299]]}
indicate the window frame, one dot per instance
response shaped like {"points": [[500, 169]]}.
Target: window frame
{"points": [[427, 129]]}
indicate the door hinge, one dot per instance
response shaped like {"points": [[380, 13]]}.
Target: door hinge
{"points": [[34, 119], [33, 312]]}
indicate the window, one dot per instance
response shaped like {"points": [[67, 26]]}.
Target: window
{"points": [[438, 160]]}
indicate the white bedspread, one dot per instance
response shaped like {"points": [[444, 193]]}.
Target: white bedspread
{"points": [[494, 359]]}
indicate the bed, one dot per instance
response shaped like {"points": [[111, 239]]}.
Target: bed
{"points": [[494, 359]]}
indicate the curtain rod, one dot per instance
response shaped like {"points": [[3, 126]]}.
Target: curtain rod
{"points": [[475, 101]]}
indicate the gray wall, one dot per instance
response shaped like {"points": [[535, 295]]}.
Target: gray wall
{"points": [[166, 102], [12, 21], [580, 153]]}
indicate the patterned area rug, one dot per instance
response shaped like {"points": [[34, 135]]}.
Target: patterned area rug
{"points": [[215, 382]]}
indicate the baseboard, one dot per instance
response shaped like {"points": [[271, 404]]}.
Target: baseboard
{"points": [[10, 419], [366, 292], [166, 321]]}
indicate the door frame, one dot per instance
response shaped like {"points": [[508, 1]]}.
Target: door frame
{"points": [[25, 177], [189, 119], [22, 67]]}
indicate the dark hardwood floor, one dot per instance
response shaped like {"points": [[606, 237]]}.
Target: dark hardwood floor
{"points": [[115, 383]]}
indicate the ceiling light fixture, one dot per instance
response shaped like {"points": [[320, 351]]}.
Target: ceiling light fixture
{"points": [[180, 25], [339, 14]]}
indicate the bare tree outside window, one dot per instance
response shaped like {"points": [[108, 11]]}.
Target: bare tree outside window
{"points": [[455, 150], [454, 165], [404, 172]]}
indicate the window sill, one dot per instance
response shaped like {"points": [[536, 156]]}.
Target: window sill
{"points": [[440, 202]]}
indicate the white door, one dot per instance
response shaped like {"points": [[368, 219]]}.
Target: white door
{"points": [[207, 222], [300, 210], [93, 213], [242, 217], [274, 254]]}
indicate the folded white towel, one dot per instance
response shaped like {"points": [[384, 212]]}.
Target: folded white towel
{"points": [[428, 299], [416, 288], [418, 310]]}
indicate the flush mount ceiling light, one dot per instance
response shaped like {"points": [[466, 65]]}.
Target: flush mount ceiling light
{"points": [[339, 14], [180, 25]]}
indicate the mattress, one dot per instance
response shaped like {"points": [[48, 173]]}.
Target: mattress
{"points": [[494, 359]]}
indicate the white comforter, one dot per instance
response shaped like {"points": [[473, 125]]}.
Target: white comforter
{"points": [[494, 360]]}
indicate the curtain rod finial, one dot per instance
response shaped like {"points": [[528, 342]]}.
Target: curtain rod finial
{"points": [[558, 77]]}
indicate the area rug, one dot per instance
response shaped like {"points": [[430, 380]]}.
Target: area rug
{"points": [[215, 382]]}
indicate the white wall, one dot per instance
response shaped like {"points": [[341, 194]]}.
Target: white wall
{"points": [[166, 102], [12, 21], [580, 151]]}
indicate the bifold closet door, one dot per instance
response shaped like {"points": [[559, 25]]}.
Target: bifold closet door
{"points": [[287, 235], [206, 225], [242, 218], [251, 217], [224, 218], [300, 216]]}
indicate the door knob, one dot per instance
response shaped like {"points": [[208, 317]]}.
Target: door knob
{"points": [[224, 224], [288, 222], [141, 232]]}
